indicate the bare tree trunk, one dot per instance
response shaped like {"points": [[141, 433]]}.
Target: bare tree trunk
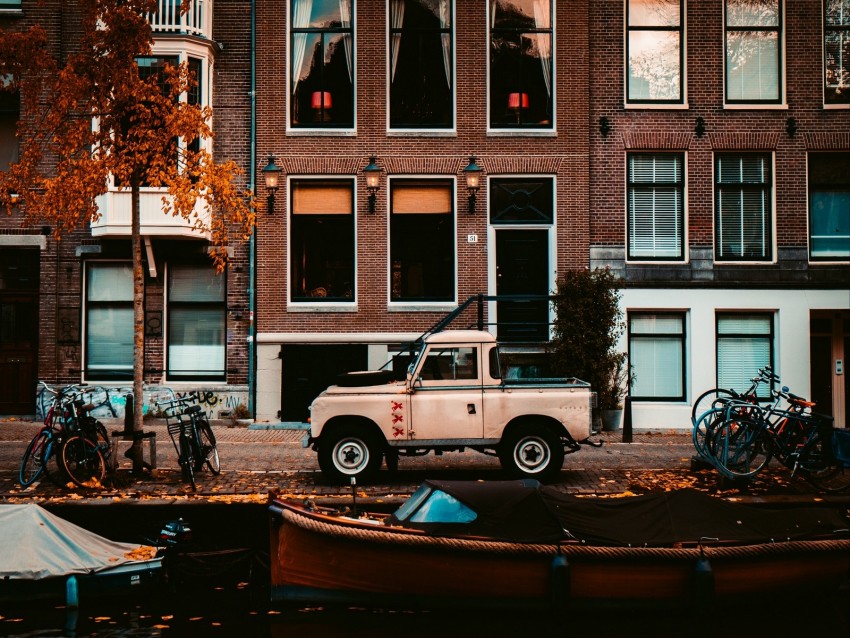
{"points": [[135, 452]]}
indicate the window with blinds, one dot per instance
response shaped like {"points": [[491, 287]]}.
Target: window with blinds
{"points": [[196, 323], [744, 344], [743, 224], [753, 51], [657, 355], [422, 240], [321, 240], [656, 206], [109, 321]]}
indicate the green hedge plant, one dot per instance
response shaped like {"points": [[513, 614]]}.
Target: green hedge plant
{"points": [[588, 325]]}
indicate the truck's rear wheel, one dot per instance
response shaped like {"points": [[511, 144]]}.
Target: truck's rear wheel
{"points": [[533, 451], [344, 454]]}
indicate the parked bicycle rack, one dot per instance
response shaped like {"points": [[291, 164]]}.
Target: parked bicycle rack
{"points": [[119, 436]]}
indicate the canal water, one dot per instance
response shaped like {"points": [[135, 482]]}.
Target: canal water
{"points": [[225, 594]]}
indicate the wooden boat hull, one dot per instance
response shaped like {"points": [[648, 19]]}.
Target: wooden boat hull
{"points": [[321, 559]]}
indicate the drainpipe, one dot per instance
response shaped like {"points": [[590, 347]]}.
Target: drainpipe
{"points": [[252, 245]]}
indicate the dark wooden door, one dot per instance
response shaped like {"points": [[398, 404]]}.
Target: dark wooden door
{"points": [[18, 348], [522, 268]]}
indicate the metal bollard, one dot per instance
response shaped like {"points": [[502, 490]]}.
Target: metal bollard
{"points": [[627, 420]]}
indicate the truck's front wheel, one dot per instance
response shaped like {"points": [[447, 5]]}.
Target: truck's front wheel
{"points": [[345, 454], [532, 452]]}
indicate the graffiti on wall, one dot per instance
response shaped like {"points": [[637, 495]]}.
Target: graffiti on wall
{"points": [[110, 402]]}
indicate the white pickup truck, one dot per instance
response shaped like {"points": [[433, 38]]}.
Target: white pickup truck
{"points": [[454, 397]]}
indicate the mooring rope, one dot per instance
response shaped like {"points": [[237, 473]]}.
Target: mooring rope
{"points": [[386, 536]]}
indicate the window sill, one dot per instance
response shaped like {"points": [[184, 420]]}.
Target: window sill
{"points": [[837, 261], [755, 107], [836, 107], [498, 132], [324, 307], [421, 307], [635, 106], [745, 263], [321, 132], [657, 262], [421, 132]]}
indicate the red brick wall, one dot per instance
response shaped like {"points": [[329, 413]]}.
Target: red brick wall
{"points": [[563, 156], [757, 129]]}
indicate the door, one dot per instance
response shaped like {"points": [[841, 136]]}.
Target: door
{"points": [[448, 396], [18, 330], [829, 336], [309, 369], [522, 269]]}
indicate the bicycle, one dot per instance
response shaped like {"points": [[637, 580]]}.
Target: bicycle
{"points": [[77, 441], [802, 441], [710, 408], [192, 437]]}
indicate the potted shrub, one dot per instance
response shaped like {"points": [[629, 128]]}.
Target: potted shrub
{"points": [[588, 325]]}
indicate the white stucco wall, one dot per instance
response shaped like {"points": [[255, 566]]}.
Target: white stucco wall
{"points": [[791, 310]]}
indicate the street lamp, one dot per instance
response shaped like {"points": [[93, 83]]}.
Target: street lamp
{"points": [[472, 173], [271, 173], [373, 181]]}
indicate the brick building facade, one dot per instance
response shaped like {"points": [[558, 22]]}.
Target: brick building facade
{"points": [[720, 192], [67, 311]]}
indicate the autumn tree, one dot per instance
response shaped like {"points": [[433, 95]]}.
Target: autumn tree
{"points": [[91, 119]]}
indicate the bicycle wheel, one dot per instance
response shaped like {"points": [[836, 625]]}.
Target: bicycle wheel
{"points": [[187, 461], [709, 400], [82, 461], [208, 451], [35, 458], [740, 448], [819, 466], [704, 430]]}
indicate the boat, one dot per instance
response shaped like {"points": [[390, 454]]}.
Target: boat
{"points": [[45, 557], [522, 545]]}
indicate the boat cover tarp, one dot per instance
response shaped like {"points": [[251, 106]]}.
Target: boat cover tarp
{"points": [[526, 511], [36, 544]]}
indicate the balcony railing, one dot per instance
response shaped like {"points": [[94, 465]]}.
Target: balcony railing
{"points": [[196, 21], [115, 216]]}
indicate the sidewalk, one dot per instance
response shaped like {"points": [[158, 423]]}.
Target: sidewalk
{"points": [[256, 462]]}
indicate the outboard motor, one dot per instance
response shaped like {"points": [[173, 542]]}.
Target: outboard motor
{"points": [[175, 533]]}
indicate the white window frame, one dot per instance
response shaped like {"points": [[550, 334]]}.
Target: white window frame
{"points": [[524, 132], [450, 131], [324, 131], [680, 104], [685, 257], [772, 193], [330, 306], [781, 103], [823, 61], [744, 381], [682, 337], [422, 306], [84, 332]]}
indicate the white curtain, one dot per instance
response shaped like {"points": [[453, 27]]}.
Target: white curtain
{"points": [[345, 19], [397, 13], [301, 12], [493, 4], [544, 43], [445, 21]]}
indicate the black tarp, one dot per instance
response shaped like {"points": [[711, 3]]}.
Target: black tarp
{"points": [[526, 511]]}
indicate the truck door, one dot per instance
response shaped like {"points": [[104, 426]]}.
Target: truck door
{"points": [[447, 398]]}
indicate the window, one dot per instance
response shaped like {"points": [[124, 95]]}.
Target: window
{"points": [[657, 355], [450, 364], [421, 64], [654, 48], [322, 240], [521, 64], [744, 344], [656, 206], [10, 113], [196, 323], [109, 321], [517, 200], [836, 51], [829, 206], [743, 225], [10, 4], [422, 240], [321, 63], [753, 51]]}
